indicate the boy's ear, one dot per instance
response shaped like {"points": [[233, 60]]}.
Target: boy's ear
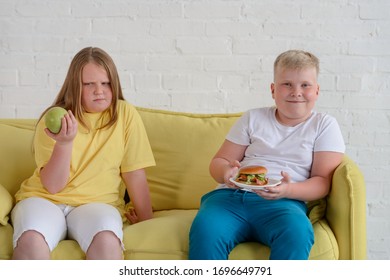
{"points": [[273, 89]]}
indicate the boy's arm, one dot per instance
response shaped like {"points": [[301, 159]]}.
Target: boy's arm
{"points": [[316, 187], [138, 189], [225, 163]]}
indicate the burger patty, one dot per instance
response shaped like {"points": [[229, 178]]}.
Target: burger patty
{"points": [[252, 179]]}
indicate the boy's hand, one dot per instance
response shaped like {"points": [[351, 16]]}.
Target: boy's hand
{"points": [[277, 192], [231, 173]]}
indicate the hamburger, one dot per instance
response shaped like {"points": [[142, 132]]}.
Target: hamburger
{"points": [[252, 175]]}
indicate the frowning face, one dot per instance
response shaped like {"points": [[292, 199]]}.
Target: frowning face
{"points": [[295, 92], [96, 89]]}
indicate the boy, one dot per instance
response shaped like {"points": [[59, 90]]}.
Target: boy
{"points": [[297, 145]]}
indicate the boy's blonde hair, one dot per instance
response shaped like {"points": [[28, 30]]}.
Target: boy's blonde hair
{"points": [[69, 96], [296, 59]]}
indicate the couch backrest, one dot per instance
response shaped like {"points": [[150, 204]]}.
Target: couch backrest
{"points": [[183, 145]]}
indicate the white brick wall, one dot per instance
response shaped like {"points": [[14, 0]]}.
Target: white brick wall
{"points": [[211, 56]]}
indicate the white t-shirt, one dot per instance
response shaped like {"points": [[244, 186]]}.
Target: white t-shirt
{"points": [[284, 148]]}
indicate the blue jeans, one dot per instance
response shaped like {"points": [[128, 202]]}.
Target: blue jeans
{"points": [[228, 217]]}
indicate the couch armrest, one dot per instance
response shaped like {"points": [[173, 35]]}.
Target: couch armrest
{"points": [[346, 210], [6, 204]]}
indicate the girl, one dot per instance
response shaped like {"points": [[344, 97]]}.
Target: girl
{"points": [[76, 191]]}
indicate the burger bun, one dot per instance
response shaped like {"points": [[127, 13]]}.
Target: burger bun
{"points": [[253, 169]]}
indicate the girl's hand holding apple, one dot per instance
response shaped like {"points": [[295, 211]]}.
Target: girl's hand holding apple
{"points": [[61, 125]]}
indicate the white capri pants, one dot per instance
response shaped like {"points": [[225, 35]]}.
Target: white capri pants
{"points": [[57, 222]]}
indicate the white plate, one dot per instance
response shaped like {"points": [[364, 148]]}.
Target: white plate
{"points": [[271, 183]]}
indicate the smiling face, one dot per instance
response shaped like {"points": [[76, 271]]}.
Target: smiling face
{"points": [[96, 93], [295, 92]]}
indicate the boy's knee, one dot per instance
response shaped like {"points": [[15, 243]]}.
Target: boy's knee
{"points": [[300, 233]]}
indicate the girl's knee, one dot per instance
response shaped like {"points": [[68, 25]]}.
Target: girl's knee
{"points": [[31, 245], [106, 238], [31, 238], [105, 245]]}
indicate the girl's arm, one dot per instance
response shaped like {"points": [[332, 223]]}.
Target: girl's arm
{"points": [[138, 189], [55, 174]]}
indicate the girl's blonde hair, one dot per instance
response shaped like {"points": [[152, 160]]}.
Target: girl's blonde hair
{"points": [[296, 59], [69, 96]]}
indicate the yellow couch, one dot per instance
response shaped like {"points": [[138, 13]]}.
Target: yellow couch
{"points": [[183, 145]]}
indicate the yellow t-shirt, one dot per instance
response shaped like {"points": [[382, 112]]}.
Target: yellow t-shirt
{"points": [[99, 156]]}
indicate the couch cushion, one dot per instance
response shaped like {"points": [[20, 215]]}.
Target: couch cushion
{"points": [[316, 210], [250, 251], [67, 250], [6, 203], [179, 180], [325, 244], [6, 249], [17, 160], [165, 237]]}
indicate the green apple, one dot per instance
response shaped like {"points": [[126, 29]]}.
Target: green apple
{"points": [[53, 118]]}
